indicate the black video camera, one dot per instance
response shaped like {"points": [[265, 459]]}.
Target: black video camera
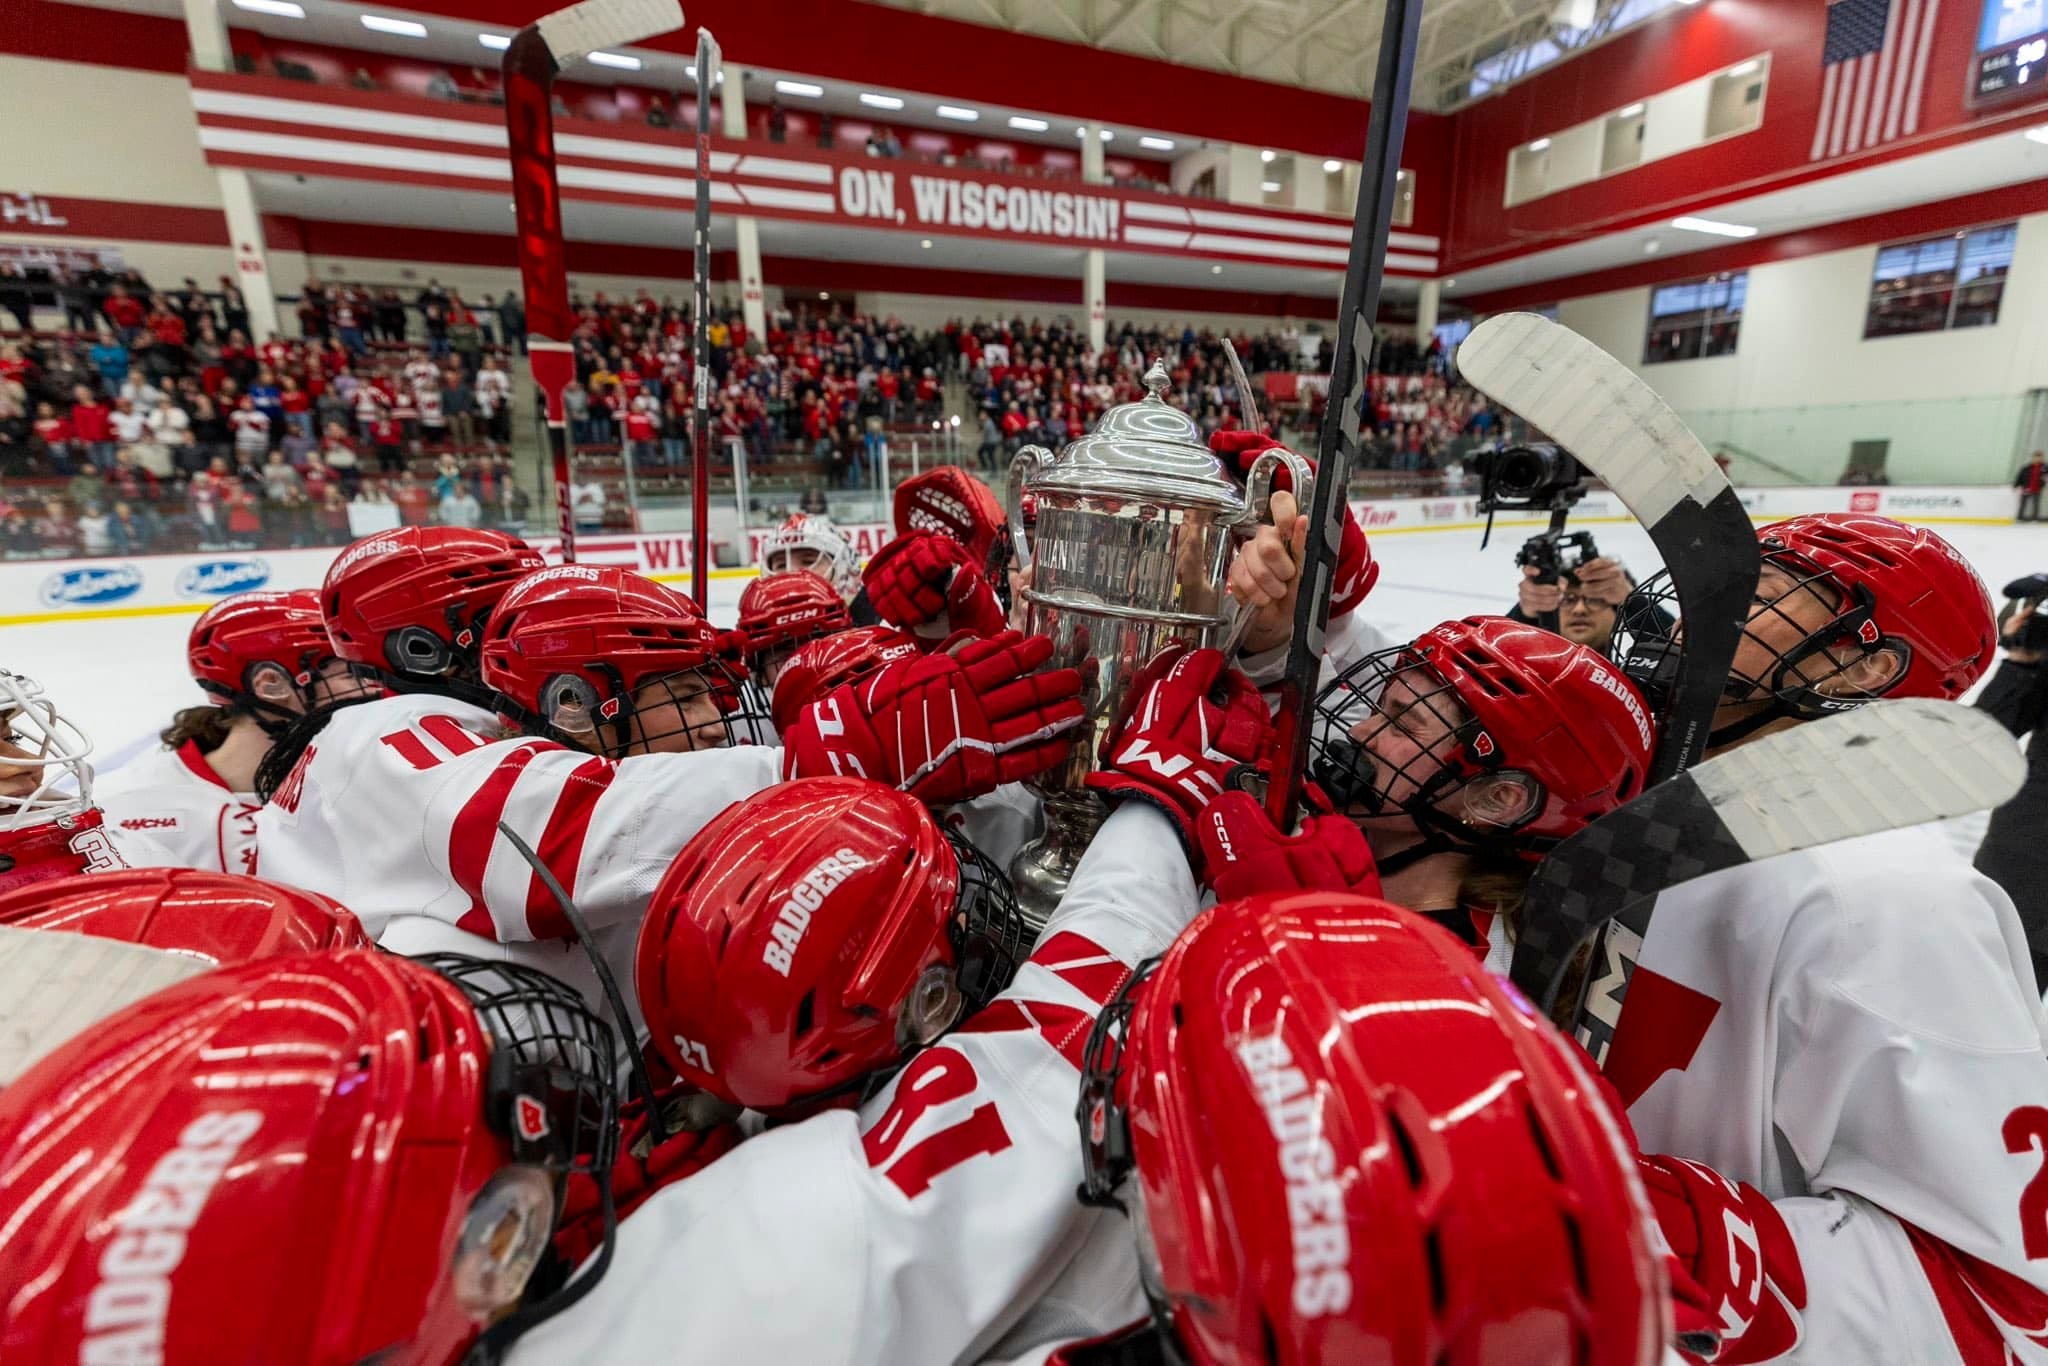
{"points": [[1537, 475], [2027, 592], [1557, 553]]}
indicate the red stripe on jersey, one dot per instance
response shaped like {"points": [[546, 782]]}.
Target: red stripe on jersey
{"points": [[1971, 1290], [1083, 964], [475, 834], [1064, 1027], [561, 846]]}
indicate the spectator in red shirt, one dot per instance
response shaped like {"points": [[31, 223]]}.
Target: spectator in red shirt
{"points": [[640, 437], [297, 405], [54, 435], [386, 437], [90, 423], [887, 386], [124, 311]]}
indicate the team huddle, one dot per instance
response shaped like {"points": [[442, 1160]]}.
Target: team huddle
{"points": [[510, 963]]}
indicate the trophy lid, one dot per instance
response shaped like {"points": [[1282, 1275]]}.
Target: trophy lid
{"points": [[1148, 449]]}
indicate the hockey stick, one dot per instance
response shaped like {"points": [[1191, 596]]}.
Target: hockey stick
{"points": [[1882, 767], [1338, 443], [537, 55], [1603, 413], [708, 59]]}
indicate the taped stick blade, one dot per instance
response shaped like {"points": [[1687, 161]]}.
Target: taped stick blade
{"points": [[1593, 406], [585, 28]]}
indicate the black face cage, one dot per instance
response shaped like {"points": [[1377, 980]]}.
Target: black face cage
{"points": [[991, 937], [1105, 1128], [1361, 783], [551, 1088], [1651, 651]]}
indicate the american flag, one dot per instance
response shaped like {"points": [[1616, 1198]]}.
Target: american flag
{"points": [[1874, 67]]}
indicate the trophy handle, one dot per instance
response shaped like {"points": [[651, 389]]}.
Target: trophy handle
{"points": [[1258, 484], [1028, 461], [1258, 488]]}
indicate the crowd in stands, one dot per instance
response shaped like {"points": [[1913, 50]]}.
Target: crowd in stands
{"points": [[151, 421]]}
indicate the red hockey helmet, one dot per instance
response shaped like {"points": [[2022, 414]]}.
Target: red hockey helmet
{"points": [[224, 918], [814, 935], [780, 612], [1353, 1143], [946, 499], [1894, 587], [412, 601], [253, 650], [822, 665], [392, 1129], [576, 647], [1412, 728]]}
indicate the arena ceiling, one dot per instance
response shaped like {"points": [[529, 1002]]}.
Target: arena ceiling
{"points": [[1328, 45]]}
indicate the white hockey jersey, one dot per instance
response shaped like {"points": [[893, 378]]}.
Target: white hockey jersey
{"points": [[1854, 1031], [936, 1224], [174, 797], [394, 811]]}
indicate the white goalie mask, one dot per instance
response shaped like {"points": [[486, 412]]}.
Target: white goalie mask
{"points": [[810, 541], [44, 775]]}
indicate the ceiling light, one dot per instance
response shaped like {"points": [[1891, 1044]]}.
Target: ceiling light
{"points": [[1629, 111], [1267, 156], [1270, 186], [284, 9], [874, 101], [804, 88], [1332, 166], [1027, 124], [954, 111], [691, 72], [404, 28], [1448, 283], [2038, 134], [1156, 144], [496, 42], [1540, 145], [926, 243], [614, 59], [1215, 270], [1744, 68], [1652, 246], [1107, 135], [1713, 228], [823, 294]]}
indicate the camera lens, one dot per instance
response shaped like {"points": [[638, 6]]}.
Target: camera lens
{"points": [[1525, 471]]}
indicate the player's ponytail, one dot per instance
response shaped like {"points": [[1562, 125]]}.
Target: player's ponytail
{"points": [[206, 724], [293, 741]]}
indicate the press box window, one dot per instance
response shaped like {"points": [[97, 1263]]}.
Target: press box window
{"points": [[1696, 318], [1954, 280]]}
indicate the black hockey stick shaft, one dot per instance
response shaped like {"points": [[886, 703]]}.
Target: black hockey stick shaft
{"points": [[1337, 447], [700, 408]]}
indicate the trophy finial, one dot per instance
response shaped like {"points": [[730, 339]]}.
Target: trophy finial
{"points": [[1156, 380]]}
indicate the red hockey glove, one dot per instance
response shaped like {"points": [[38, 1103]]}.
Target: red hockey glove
{"points": [[1357, 571], [642, 1169], [951, 502], [945, 726], [924, 582], [1245, 855], [1189, 720], [1736, 1277]]}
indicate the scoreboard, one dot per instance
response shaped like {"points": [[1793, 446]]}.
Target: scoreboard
{"points": [[2011, 59]]}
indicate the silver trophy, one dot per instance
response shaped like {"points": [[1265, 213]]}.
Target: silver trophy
{"points": [[1135, 525]]}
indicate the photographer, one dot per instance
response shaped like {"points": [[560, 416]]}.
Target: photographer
{"points": [[2014, 854], [1582, 605]]}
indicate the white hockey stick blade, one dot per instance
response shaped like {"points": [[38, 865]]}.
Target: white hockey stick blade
{"points": [[1593, 406], [55, 984], [584, 28], [1882, 767]]}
